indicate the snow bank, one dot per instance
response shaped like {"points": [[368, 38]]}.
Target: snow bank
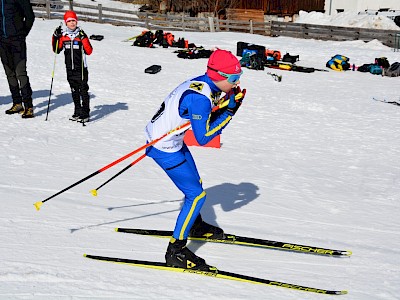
{"points": [[347, 19]]}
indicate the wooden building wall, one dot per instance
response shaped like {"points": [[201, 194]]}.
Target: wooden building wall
{"points": [[283, 7]]}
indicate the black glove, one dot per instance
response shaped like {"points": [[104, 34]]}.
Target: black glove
{"points": [[236, 97], [82, 34], [58, 32]]}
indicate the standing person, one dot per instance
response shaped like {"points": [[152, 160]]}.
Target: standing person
{"points": [[16, 21], [76, 45], [194, 100]]}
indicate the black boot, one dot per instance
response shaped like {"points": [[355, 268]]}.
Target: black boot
{"points": [[178, 255], [84, 117], [205, 230], [15, 109], [77, 113], [28, 113]]}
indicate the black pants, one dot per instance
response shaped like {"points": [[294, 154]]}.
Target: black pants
{"points": [[13, 56], [78, 81]]}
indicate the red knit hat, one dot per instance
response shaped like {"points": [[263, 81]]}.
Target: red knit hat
{"points": [[223, 61], [70, 15]]}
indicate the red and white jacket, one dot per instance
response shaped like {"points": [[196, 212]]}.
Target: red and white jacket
{"points": [[76, 45]]}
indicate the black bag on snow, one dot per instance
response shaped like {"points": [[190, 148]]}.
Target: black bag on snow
{"points": [[144, 40], [96, 37], [255, 62], [290, 58], [153, 69], [240, 46], [382, 62], [364, 68], [159, 36], [392, 71]]}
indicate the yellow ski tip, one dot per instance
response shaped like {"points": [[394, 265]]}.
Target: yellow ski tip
{"points": [[94, 192], [84, 255], [38, 205], [116, 229]]}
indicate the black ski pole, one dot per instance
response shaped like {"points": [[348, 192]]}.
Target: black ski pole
{"points": [[39, 204], [94, 192], [52, 79]]}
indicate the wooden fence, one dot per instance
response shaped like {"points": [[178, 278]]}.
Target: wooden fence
{"points": [[334, 33], [175, 22]]}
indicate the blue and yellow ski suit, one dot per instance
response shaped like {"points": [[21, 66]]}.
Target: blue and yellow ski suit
{"points": [[192, 100]]}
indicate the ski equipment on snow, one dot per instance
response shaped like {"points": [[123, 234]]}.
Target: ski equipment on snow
{"points": [[387, 101], [244, 241], [214, 272]]}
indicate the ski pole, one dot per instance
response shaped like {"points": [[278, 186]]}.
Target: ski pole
{"points": [[221, 105], [52, 78], [40, 203], [226, 102], [94, 192]]}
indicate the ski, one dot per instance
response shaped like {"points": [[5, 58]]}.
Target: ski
{"points": [[386, 101], [244, 241], [213, 272]]}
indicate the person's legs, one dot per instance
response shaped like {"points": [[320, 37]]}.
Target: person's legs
{"points": [[20, 58], [84, 92], [181, 169], [7, 59], [74, 83]]}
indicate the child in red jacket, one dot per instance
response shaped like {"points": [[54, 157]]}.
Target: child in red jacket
{"points": [[76, 45]]}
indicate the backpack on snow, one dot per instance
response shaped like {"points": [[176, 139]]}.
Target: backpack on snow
{"points": [[290, 58], [393, 70], [144, 40], [375, 69], [382, 62], [338, 63], [371, 68]]}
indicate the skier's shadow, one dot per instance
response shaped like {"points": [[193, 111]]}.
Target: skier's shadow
{"points": [[230, 197], [101, 111], [57, 101]]}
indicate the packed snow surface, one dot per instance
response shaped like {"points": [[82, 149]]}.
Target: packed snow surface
{"points": [[312, 159]]}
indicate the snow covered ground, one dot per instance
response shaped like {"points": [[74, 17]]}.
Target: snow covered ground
{"points": [[311, 159], [347, 19]]}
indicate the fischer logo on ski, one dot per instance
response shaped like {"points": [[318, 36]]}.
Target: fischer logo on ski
{"points": [[244, 241]]}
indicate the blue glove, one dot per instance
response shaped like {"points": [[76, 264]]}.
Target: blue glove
{"points": [[235, 100]]}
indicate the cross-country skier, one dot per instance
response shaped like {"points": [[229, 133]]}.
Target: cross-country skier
{"points": [[194, 100]]}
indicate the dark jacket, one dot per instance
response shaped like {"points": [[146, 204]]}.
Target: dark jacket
{"points": [[16, 18]]}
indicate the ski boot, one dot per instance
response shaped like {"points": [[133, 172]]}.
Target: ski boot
{"points": [[202, 229], [83, 118], [179, 256]]}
